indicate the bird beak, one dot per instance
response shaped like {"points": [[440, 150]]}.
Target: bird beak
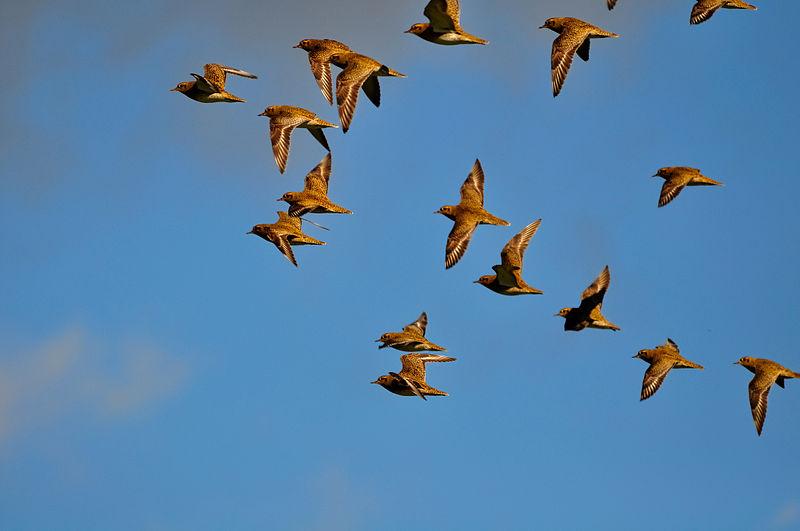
{"points": [[654, 175], [476, 282], [173, 89], [249, 232], [263, 113], [556, 315], [636, 356], [279, 199], [296, 46], [407, 31], [736, 363], [376, 381], [542, 26]]}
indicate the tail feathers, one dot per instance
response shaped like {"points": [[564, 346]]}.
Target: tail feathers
{"points": [[431, 391], [704, 181], [307, 240], [686, 364], [319, 122], [472, 39], [742, 5], [233, 99], [336, 209], [494, 220]]}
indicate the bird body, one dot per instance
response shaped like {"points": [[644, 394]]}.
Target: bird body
{"points": [[314, 197], [588, 314], [411, 339], [467, 215], [410, 381], [676, 178], [574, 36], [705, 9], [210, 87], [319, 58], [507, 279], [445, 25], [662, 359], [359, 72], [767, 372], [283, 119], [285, 233]]}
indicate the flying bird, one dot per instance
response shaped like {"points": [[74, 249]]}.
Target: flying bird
{"points": [[284, 233], [574, 36], [210, 87], [507, 279], [467, 215], [445, 24], [359, 72], [662, 359], [588, 313], [411, 380], [705, 9], [676, 178], [282, 121], [314, 197], [767, 372], [411, 339], [319, 57]]}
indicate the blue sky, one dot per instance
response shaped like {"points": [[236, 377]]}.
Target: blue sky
{"points": [[160, 370]]}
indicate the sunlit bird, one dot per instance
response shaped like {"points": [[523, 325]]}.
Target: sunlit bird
{"points": [[662, 359], [445, 24], [283, 119], [767, 372], [467, 215], [319, 57], [588, 314], [705, 9], [507, 279], [411, 339], [676, 178], [285, 233], [410, 381], [210, 87], [314, 197]]}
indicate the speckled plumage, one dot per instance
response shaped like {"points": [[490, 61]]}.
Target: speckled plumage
{"points": [[411, 380], [676, 178], [284, 233], [210, 87], [574, 37], [467, 215], [358, 72], [319, 58], [411, 339], [507, 279], [705, 9], [588, 314], [662, 359], [767, 372], [283, 119], [445, 25], [314, 197]]}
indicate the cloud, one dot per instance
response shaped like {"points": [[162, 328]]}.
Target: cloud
{"points": [[787, 516], [71, 374]]}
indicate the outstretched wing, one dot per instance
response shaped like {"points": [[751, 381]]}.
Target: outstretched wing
{"points": [[418, 327], [654, 377], [317, 179], [414, 364], [348, 83], [472, 189], [321, 69], [611, 4], [283, 245], [564, 48], [410, 383], [592, 297], [514, 251], [203, 85], [445, 15], [457, 241], [703, 10], [758, 393], [280, 133]]}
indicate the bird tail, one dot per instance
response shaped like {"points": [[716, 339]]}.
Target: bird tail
{"points": [[472, 39], [319, 122], [431, 391], [491, 219], [742, 5], [686, 364], [336, 209], [307, 240], [233, 99], [704, 181]]}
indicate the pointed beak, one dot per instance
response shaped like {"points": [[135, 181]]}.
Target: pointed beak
{"points": [[556, 315], [736, 363], [654, 175], [407, 31], [376, 381], [296, 46], [636, 356], [174, 89], [263, 113], [249, 232], [542, 26], [279, 199], [476, 281]]}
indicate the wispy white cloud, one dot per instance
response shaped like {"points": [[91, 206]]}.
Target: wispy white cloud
{"points": [[72, 374]]}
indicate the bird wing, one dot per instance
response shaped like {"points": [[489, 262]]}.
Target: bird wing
{"points": [[280, 132], [372, 88], [457, 241], [654, 377], [317, 179], [445, 15], [758, 391], [414, 364], [670, 189], [321, 68], [672, 345], [514, 251], [281, 241], [348, 83], [472, 189], [215, 75], [418, 327], [592, 297], [703, 10], [203, 85], [564, 48], [410, 383]]}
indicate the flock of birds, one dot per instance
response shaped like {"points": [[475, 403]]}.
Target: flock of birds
{"points": [[360, 73]]}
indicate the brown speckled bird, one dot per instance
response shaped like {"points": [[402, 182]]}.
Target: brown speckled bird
{"points": [[662, 359], [588, 313], [445, 25], [358, 72], [767, 372], [319, 57], [467, 215], [705, 9], [574, 36], [507, 279], [284, 233], [210, 87], [314, 197], [411, 380], [678, 177], [411, 339], [282, 121]]}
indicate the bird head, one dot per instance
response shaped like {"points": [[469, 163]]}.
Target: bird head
{"points": [[485, 280], [555, 24], [183, 86], [563, 312], [288, 197], [269, 111], [744, 361], [416, 29], [642, 354], [305, 44], [383, 339], [448, 211], [384, 380], [662, 172]]}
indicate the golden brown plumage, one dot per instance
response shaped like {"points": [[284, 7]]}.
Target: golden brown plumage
{"points": [[767, 372], [314, 197], [210, 87], [411, 339], [676, 178], [283, 119], [284, 233], [507, 279], [588, 314], [319, 57], [411, 380], [445, 25], [705, 9], [662, 359]]}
